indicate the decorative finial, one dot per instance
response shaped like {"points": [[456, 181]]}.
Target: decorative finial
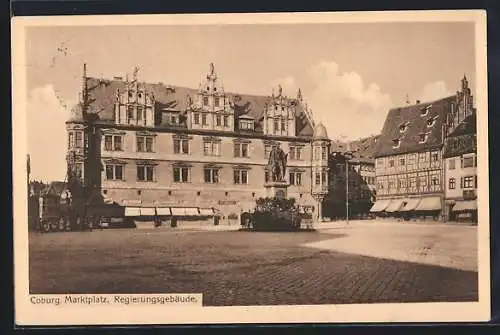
{"points": [[134, 74], [280, 90], [212, 68], [407, 99], [299, 95]]}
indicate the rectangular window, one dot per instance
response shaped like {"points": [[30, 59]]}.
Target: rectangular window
{"points": [[276, 125], [434, 180], [435, 157], [145, 173], [204, 119], [467, 162], [391, 163], [451, 183], [469, 182], [283, 124], [78, 139], [241, 150], [451, 164], [413, 182], [298, 153], [266, 176], [323, 178], [130, 114], [323, 153], [181, 174], [240, 177], [291, 154], [145, 143], [401, 161], [318, 178], [196, 118], [113, 142], [108, 142], [205, 101], [317, 153], [211, 175], [226, 121], [173, 119], [211, 148], [295, 178], [217, 102], [218, 120], [181, 146], [139, 114], [114, 172]]}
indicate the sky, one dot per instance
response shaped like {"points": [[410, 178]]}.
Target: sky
{"points": [[350, 74]]}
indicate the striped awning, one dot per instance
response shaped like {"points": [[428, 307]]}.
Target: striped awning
{"points": [[465, 206], [184, 211], [395, 205], [148, 211], [380, 205], [132, 211], [411, 204], [164, 211], [429, 204], [206, 211]]}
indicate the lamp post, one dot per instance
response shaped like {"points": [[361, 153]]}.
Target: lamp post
{"points": [[347, 156]]}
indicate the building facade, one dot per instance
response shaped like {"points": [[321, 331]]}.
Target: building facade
{"points": [[409, 164], [460, 154], [361, 190], [161, 145]]}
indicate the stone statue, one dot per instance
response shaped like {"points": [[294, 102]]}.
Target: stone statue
{"points": [[277, 164]]}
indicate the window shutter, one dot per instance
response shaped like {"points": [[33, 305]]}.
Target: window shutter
{"points": [[461, 182]]}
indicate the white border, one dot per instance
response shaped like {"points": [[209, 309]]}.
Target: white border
{"points": [[28, 314]]}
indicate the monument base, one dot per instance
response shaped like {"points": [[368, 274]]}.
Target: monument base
{"points": [[277, 190]]}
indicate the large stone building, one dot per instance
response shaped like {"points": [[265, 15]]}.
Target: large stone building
{"points": [[162, 145], [460, 154], [409, 163]]}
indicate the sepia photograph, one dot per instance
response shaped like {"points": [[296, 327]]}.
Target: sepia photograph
{"points": [[227, 168]]}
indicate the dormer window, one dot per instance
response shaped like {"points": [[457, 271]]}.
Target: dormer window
{"points": [[425, 111], [396, 143], [423, 138], [205, 101], [431, 122], [403, 127], [216, 102]]}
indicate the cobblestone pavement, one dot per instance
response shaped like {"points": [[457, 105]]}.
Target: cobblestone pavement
{"points": [[447, 245], [246, 268]]}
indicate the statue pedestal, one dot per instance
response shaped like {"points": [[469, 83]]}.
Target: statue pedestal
{"points": [[277, 189]]}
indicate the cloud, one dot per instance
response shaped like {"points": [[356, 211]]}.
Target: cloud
{"points": [[47, 139], [435, 91], [344, 103]]}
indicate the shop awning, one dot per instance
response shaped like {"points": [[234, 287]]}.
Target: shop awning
{"points": [[206, 211], [465, 206], [380, 205], [411, 204], [395, 205], [184, 211], [164, 211], [132, 211], [148, 211], [429, 204]]}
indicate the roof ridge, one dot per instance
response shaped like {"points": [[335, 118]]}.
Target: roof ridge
{"points": [[428, 102], [188, 88]]}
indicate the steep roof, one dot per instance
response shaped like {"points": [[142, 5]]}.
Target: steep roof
{"points": [[55, 188], [463, 139], [416, 121], [102, 96]]}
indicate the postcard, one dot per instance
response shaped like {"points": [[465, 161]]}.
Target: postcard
{"points": [[251, 168]]}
